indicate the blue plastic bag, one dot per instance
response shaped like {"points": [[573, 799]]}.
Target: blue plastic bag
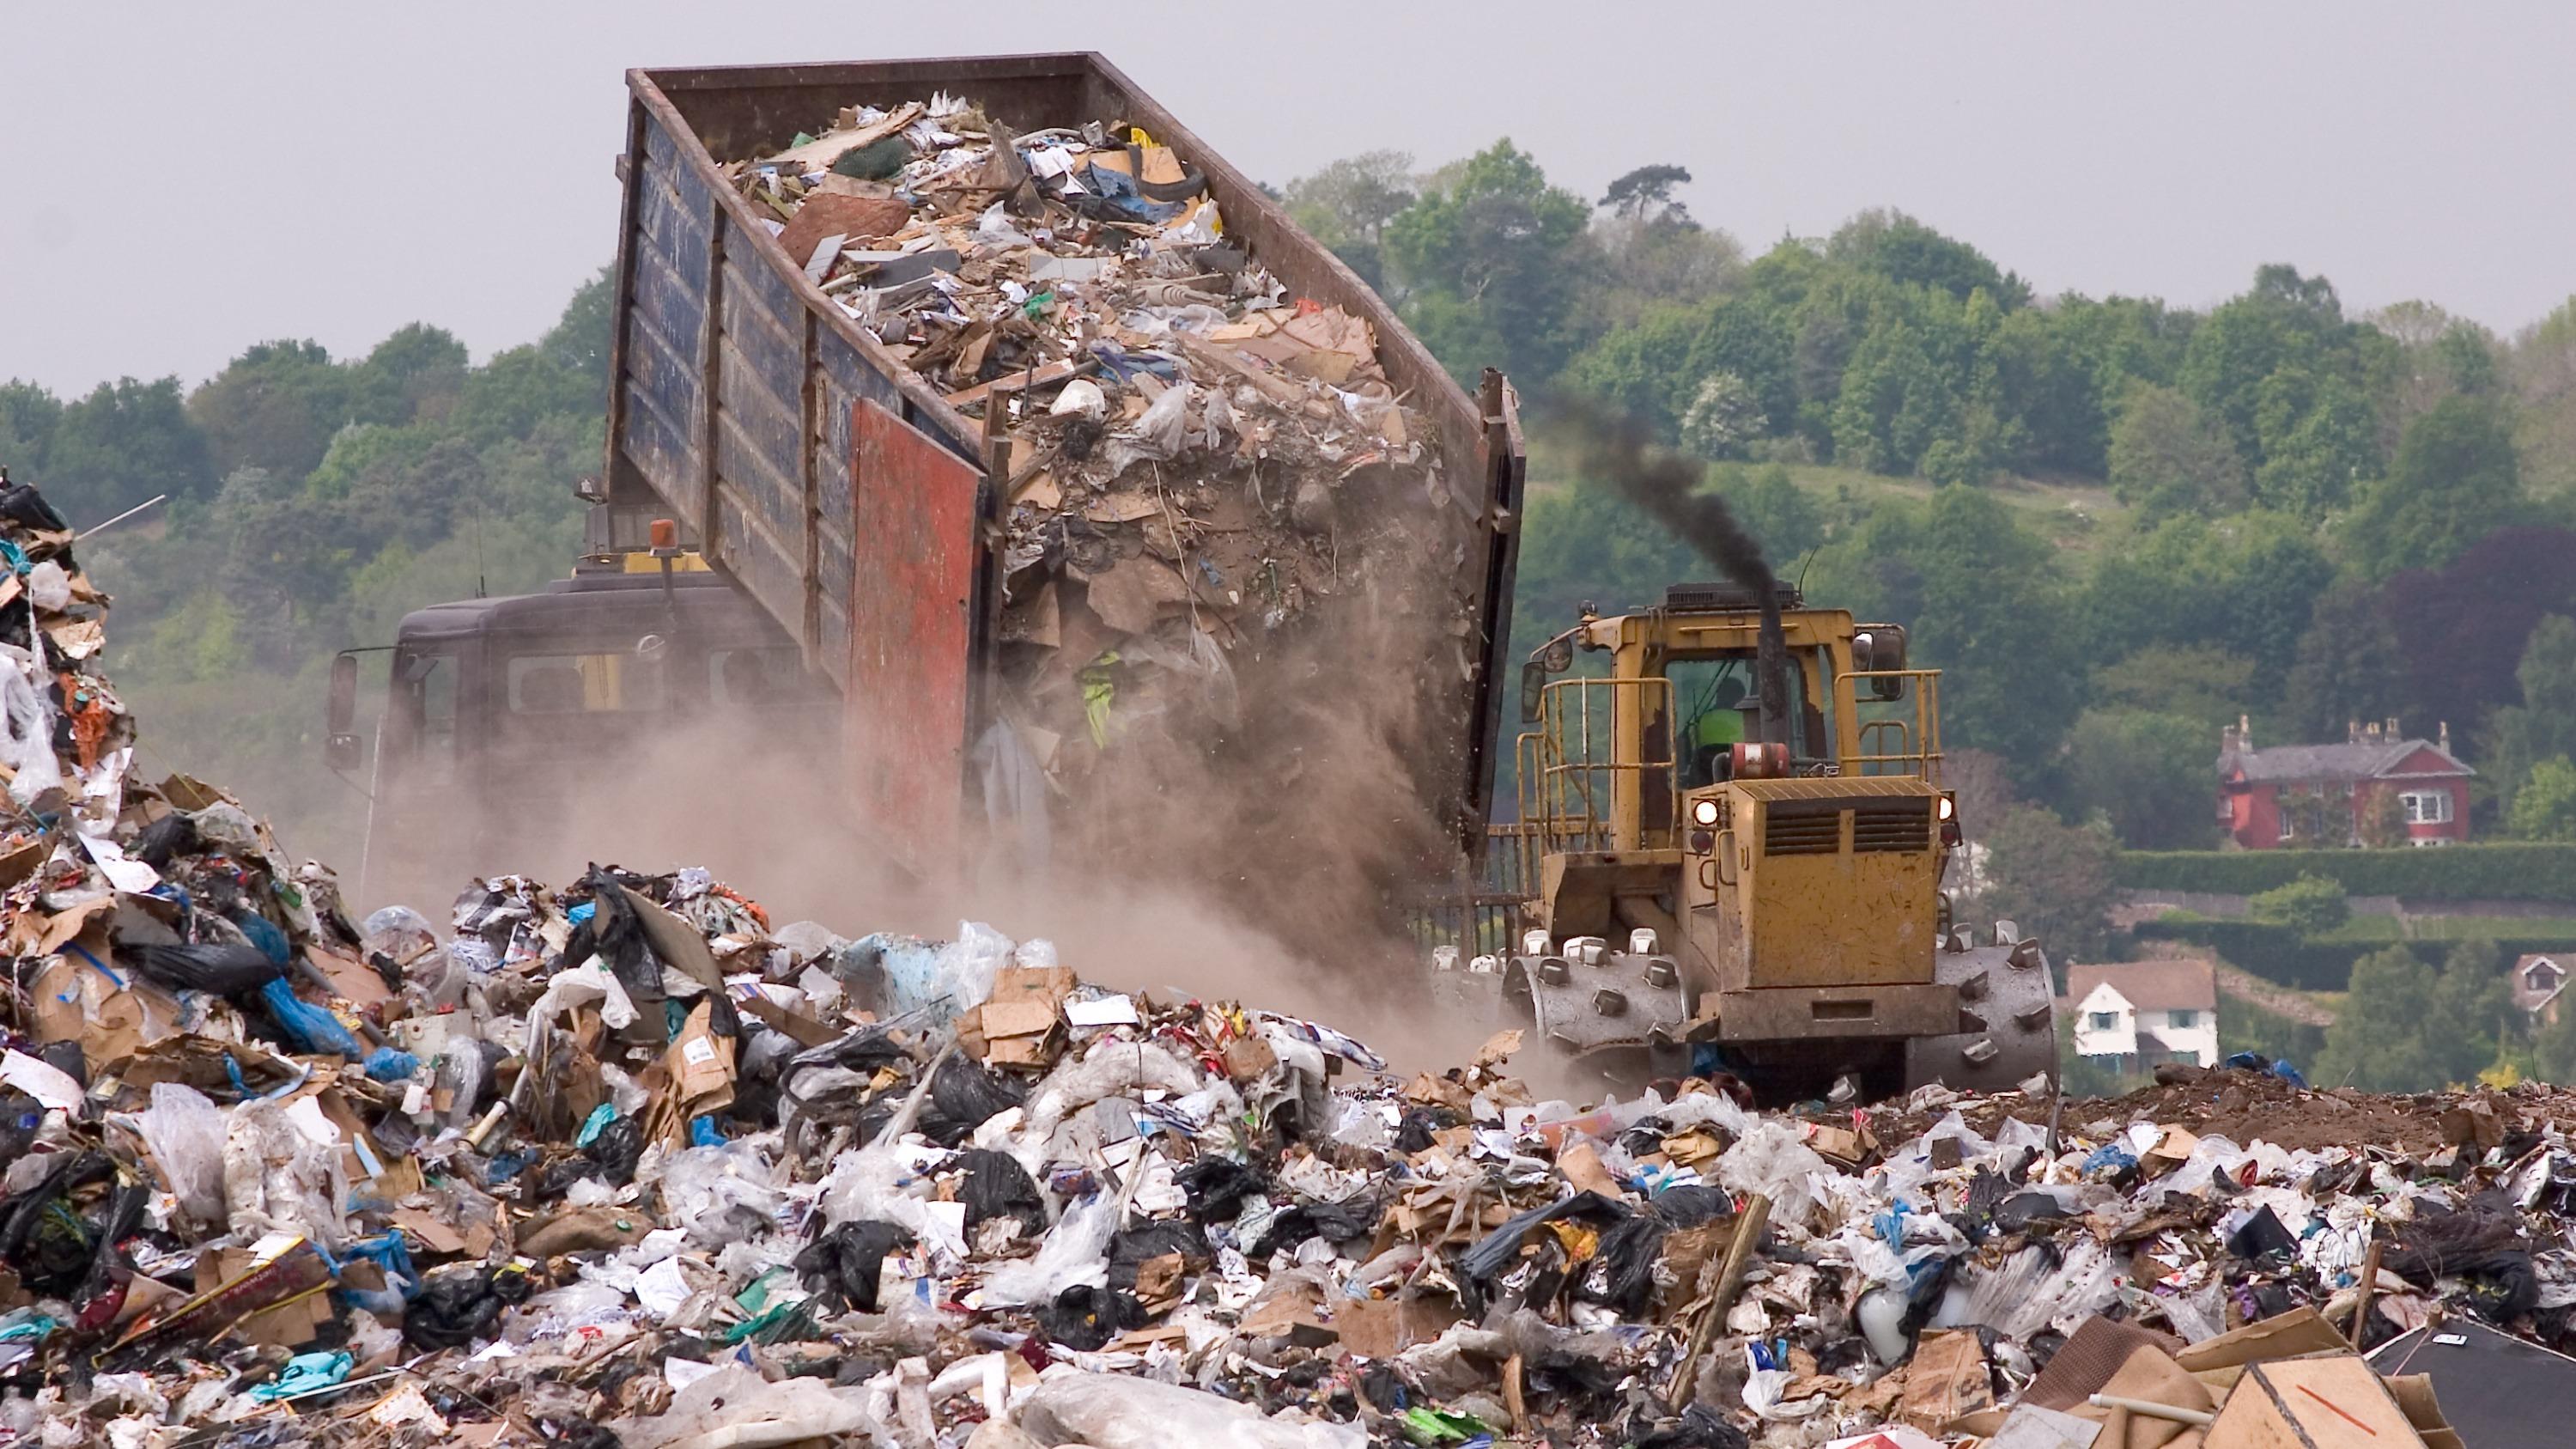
{"points": [[312, 1029]]}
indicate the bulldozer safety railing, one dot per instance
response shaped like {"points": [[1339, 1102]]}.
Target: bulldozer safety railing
{"points": [[1577, 786], [1892, 745]]}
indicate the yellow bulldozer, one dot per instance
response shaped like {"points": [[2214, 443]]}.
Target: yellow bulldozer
{"points": [[1732, 848]]}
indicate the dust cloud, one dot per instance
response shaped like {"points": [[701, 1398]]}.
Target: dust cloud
{"points": [[1264, 854]]}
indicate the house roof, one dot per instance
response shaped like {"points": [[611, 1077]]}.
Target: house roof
{"points": [[2523, 994], [2150, 985], [2358, 760]]}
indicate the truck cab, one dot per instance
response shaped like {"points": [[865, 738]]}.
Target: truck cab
{"points": [[501, 716]]}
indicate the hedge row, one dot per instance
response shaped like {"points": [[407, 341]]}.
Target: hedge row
{"points": [[2276, 953], [2516, 870]]}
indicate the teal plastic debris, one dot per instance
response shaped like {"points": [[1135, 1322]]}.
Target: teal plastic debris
{"points": [[305, 1373]]}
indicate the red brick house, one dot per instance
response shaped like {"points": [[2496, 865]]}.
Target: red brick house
{"points": [[2258, 789]]}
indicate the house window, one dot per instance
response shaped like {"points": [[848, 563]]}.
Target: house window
{"points": [[2427, 807], [2541, 977], [2106, 1021], [2183, 1019]]}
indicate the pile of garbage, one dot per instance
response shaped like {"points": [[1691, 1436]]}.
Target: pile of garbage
{"points": [[1196, 456], [627, 1162]]}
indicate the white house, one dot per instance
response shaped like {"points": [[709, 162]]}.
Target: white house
{"points": [[2537, 982], [2142, 1013]]}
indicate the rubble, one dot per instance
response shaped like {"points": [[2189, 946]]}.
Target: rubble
{"points": [[1194, 455], [628, 1162]]}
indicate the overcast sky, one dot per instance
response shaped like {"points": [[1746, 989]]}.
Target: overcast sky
{"points": [[178, 181]]}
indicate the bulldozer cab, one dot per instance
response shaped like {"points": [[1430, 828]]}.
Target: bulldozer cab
{"points": [[1618, 747]]}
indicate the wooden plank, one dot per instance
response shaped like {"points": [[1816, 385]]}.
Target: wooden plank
{"points": [[1037, 377]]}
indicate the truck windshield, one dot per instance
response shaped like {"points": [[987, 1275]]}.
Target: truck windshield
{"points": [[1718, 706], [602, 683]]}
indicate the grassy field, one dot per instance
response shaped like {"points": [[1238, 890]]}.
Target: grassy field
{"points": [[2076, 516]]}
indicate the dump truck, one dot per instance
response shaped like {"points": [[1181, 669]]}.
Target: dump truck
{"points": [[807, 528], [1731, 855]]}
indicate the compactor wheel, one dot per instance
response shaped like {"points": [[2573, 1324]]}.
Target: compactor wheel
{"points": [[2007, 1015]]}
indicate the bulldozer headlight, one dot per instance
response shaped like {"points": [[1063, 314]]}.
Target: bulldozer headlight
{"points": [[1949, 808], [1704, 812]]}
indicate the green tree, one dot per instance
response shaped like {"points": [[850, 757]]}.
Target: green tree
{"points": [[122, 444], [2543, 725], [583, 338], [1991, 598], [2283, 319], [2053, 880], [2468, 1013], [2312, 905], [416, 371], [2541, 372], [2383, 821], [2349, 666], [1651, 253], [1903, 250], [1347, 205], [2202, 683], [1724, 417], [28, 417], [2455, 480], [2553, 1054], [1488, 267], [2318, 440], [278, 405], [2377, 1042], [2545, 807], [1645, 192], [1895, 401], [2150, 775], [2165, 457], [2247, 585], [1776, 510]]}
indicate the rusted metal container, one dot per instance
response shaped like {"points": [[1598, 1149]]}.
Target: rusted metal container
{"points": [[838, 489]]}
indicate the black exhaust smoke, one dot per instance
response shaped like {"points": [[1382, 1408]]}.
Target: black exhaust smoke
{"points": [[1617, 449]]}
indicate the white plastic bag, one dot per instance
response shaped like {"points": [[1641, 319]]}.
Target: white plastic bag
{"points": [[185, 1132], [1159, 434], [1076, 1252], [279, 1176], [1769, 1159], [28, 747], [1113, 1068], [1113, 1411], [49, 588], [722, 1193], [944, 979]]}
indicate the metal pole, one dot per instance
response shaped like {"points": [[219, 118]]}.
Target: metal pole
{"points": [[120, 518]]}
